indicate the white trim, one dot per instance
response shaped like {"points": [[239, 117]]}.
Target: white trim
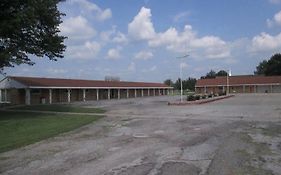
{"points": [[68, 95], [84, 94], [50, 96], [240, 85], [27, 96], [54, 87]]}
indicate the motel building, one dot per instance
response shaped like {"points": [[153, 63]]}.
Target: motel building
{"points": [[239, 84], [35, 90]]}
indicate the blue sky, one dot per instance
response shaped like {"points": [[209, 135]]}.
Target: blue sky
{"points": [[139, 40]]}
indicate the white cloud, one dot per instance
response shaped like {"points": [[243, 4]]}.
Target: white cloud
{"points": [[143, 55], [206, 47], [275, 21], [120, 38], [141, 28], [132, 67], [90, 9], [211, 47], [180, 16], [77, 28], [151, 69], [113, 54], [266, 42], [86, 51]]}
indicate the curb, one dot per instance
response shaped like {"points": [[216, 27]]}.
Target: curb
{"points": [[198, 102]]}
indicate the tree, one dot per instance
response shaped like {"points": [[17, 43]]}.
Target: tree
{"points": [[168, 82], [211, 74], [260, 69], [189, 83], [186, 84], [273, 66], [221, 73], [270, 67], [29, 27]]}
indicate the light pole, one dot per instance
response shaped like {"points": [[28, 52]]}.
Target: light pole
{"points": [[185, 56]]}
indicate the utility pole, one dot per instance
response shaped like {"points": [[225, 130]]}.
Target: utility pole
{"points": [[181, 57]]}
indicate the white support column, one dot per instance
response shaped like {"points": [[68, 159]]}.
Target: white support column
{"points": [[142, 92], [97, 94], [128, 93], [172, 91], [135, 93], [271, 89], [50, 96], [153, 92], [5, 95], [148, 92], [205, 89], [84, 94], [27, 96], [244, 89], [159, 92], [68, 95], [168, 91], [0, 95], [118, 93], [108, 94]]}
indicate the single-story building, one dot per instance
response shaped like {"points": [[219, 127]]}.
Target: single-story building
{"points": [[240, 84], [35, 90]]}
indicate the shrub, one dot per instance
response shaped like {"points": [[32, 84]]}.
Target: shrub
{"points": [[222, 93], [191, 98], [197, 97], [210, 96]]}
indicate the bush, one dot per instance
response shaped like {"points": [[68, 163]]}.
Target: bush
{"points": [[204, 96], [191, 98], [222, 93], [197, 97], [210, 96]]}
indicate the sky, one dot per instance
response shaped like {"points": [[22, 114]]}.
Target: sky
{"points": [[141, 40]]}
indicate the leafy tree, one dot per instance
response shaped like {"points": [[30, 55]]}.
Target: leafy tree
{"points": [[29, 27], [168, 82], [221, 73], [186, 84], [270, 67], [273, 66], [211, 74], [177, 84], [260, 69], [189, 84]]}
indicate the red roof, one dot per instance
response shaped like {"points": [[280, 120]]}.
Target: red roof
{"points": [[57, 82], [240, 80]]}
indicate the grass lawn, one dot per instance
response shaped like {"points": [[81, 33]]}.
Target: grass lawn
{"points": [[22, 128], [60, 108]]}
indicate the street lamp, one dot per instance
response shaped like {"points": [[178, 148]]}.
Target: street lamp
{"points": [[181, 57]]}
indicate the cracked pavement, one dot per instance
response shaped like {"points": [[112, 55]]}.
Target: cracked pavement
{"points": [[145, 136]]}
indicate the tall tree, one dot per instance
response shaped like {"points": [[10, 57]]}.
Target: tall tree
{"points": [[273, 66], [168, 82], [211, 74], [221, 73], [270, 67], [186, 84], [260, 69], [29, 27]]}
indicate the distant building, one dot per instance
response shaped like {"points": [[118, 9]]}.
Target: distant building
{"points": [[240, 84], [35, 90]]}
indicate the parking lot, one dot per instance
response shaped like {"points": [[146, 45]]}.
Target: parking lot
{"points": [[145, 136]]}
